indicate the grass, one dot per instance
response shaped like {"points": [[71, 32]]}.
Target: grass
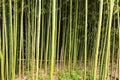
{"points": [[65, 75]]}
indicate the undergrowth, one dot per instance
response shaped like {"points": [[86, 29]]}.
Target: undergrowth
{"points": [[76, 74]]}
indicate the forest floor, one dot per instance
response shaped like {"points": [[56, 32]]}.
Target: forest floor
{"points": [[76, 74]]}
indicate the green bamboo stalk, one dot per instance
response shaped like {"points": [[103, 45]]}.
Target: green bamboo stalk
{"points": [[21, 39], [102, 37], [113, 51], [104, 46], [3, 36], [50, 46], [66, 47], [6, 46], [1, 58], [33, 39], [108, 39], [38, 39], [70, 27], [86, 22], [75, 34], [15, 33], [22, 58], [2, 61], [42, 37], [53, 37], [64, 51], [118, 17], [58, 42], [2, 52], [47, 42], [64, 37], [11, 73], [28, 37], [3, 48], [2, 65], [56, 33], [98, 38]]}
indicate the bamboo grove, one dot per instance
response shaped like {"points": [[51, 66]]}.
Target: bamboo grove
{"points": [[45, 36]]}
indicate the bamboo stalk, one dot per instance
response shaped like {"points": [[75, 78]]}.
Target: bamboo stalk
{"points": [[53, 37], [47, 42], [2, 52], [33, 39], [38, 39], [75, 35], [28, 37], [113, 51], [42, 37], [108, 39], [98, 37], [11, 73], [64, 36], [104, 47], [21, 40], [15, 33], [6, 57], [86, 22], [3, 36], [70, 27], [118, 17], [58, 42]]}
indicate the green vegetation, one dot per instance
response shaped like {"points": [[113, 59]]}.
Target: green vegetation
{"points": [[59, 39], [64, 75]]}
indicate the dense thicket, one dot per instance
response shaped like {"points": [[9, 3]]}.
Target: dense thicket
{"points": [[50, 35]]}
